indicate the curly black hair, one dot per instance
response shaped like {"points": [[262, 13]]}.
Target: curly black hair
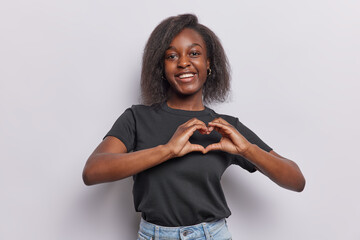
{"points": [[154, 87]]}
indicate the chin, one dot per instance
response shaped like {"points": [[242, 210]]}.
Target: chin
{"points": [[188, 92]]}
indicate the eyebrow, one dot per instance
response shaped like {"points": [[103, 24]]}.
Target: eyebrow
{"points": [[192, 45]]}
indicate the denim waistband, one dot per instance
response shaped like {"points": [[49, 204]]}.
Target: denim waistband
{"points": [[156, 232]]}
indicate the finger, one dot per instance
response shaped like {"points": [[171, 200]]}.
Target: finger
{"points": [[212, 147], [192, 122], [196, 148], [190, 130], [221, 120], [220, 127], [218, 124], [205, 130], [202, 131], [212, 126]]}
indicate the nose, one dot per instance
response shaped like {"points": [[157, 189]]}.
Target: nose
{"points": [[183, 62]]}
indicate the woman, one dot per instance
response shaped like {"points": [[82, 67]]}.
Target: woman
{"points": [[175, 147]]}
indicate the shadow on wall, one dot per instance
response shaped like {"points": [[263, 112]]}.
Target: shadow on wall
{"points": [[248, 205], [104, 211]]}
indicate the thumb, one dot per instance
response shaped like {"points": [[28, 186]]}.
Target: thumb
{"points": [[214, 146], [197, 148]]}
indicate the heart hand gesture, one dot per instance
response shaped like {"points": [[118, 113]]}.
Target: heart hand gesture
{"points": [[179, 143], [232, 141]]}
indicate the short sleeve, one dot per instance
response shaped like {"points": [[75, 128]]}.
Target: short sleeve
{"points": [[124, 129], [252, 138]]}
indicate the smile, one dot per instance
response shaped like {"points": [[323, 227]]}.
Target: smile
{"points": [[186, 75]]}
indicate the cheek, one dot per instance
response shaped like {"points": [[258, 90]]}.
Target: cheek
{"points": [[168, 68], [166, 73], [201, 63], [202, 67]]}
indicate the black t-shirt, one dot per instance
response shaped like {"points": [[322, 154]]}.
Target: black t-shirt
{"points": [[185, 190]]}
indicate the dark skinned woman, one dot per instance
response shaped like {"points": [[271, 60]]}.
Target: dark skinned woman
{"points": [[175, 147]]}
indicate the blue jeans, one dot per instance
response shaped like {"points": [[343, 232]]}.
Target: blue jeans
{"points": [[216, 230]]}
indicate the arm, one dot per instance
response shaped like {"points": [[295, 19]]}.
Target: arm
{"points": [[110, 160], [282, 171]]}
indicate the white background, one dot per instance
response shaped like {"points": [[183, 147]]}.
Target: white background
{"points": [[68, 69]]}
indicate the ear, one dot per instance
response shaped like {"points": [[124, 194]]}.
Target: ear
{"points": [[208, 63]]}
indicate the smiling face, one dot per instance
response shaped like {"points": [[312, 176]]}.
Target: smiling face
{"points": [[186, 63]]}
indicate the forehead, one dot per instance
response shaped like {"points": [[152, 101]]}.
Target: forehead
{"points": [[188, 37]]}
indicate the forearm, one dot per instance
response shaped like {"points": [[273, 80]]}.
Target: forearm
{"points": [[282, 171], [108, 167]]}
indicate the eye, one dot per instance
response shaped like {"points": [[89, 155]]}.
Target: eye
{"points": [[170, 56], [195, 53]]}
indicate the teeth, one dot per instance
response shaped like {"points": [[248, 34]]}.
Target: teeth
{"points": [[186, 75]]}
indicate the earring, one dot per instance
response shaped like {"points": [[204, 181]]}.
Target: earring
{"points": [[209, 71]]}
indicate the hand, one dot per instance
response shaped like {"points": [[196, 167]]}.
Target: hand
{"points": [[179, 144], [232, 141]]}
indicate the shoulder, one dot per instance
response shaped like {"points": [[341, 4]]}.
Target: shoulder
{"points": [[230, 119], [144, 111], [142, 108]]}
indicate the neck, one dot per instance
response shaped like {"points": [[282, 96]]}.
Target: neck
{"points": [[191, 103]]}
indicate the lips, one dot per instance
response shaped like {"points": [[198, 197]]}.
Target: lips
{"points": [[185, 77]]}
